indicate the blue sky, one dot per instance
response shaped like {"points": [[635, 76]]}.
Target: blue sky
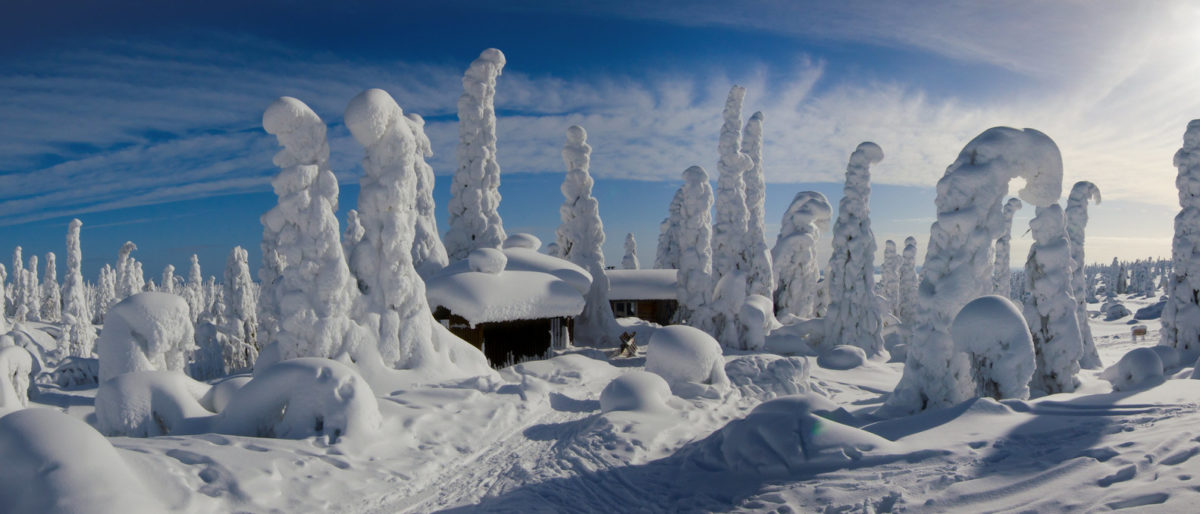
{"points": [[143, 120]]}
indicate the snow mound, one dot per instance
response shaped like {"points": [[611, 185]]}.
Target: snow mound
{"points": [[572, 368], [1153, 311], [301, 398], [222, 392], [1114, 311], [147, 331], [842, 356], [1139, 368], [522, 240], [151, 403], [1169, 356], [797, 338], [487, 260], [755, 320], [768, 376], [784, 437], [638, 391], [993, 332], [56, 463], [16, 367], [689, 359]]}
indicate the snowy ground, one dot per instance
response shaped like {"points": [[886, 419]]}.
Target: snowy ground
{"points": [[539, 442]]}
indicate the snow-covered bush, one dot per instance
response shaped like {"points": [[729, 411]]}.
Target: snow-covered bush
{"points": [[765, 376], [689, 360], [1050, 308], [475, 190], [758, 256], [1141, 367], [16, 375], [151, 403], [77, 336], [1077, 217], [842, 356], [993, 333], [853, 317], [428, 253], [795, 254], [54, 462], [73, 372], [581, 241], [638, 391], [755, 321], [1002, 272], [147, 331], [630, 260], [959, 261], [1181, 317], [306, 286], [301, 398], [694, 283], [1152, 311], [667, 254], [522, 240]]}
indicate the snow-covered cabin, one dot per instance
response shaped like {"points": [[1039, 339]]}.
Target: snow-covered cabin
{"points": [[513, 303], [648, 294]]}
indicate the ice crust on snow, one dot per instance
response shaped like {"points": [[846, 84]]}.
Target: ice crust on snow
{"points": [[689, 360], [637, 391], [993, 333], [145, 332]]}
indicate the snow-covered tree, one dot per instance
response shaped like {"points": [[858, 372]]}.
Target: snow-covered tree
{"points": [[795, 254], [475, 190], [908, 283], [18, 283], [1050, 308], [193, 289], [667, 254], [581, 238], [630, 260], [853, 317], [353, 234], [1181, 315], [1002, 272], [138, 277], [694, 284], [890, 277], [387, 207], [241, 320], [51, 297], [1077, 217], [106, 295], [310, 288], [959, 260], [428, 253], [126, 283], [168, 280], [33, 291], [77, 335], [4, 328], [760, 275], [729, 225]]}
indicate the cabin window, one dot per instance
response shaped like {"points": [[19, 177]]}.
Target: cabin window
{"points": [[625, 309]]}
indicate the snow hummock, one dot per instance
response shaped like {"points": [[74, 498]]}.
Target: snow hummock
{"points": [[521, 258], [151, 403], [522, 240], [638, 391], [1141, 367], [144, 332], [842, 357], [991, 331], [689, 360]]}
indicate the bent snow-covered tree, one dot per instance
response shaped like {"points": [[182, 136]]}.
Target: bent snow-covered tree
{"points": [[667, 253], [959, 260], [694, 284], [630, 260], [475, 190], [1049, 307], [908, 283], [581, 239], [759, 274], [795, 254], [1002, 272], [77, 335], [853, 317], [1077, 217], [310, 287], [1181, 315], [428, 253]]}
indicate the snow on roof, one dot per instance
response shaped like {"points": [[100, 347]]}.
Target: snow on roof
{"points": [[527, 259], [506, 296], [641, 284]]}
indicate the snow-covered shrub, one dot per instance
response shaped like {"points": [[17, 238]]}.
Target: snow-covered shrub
{"points": [[428, 252], [630, 260], [581, 241], [1181, 317], [54, 462], [77, 336], [16, 376], [1002, 272], [853, 317], [783, 437], [523, 240], [694, 283], [795, 254], [306, 285], [475, 190], [1077, 217], [1141, 367], [151, 403], [993, 333], [1050, 308], [689, 360], [223, 391], [638, 391], [959, 261], [147, 331], [760, 274], [842, 356], [301, 398], [755, 321]]}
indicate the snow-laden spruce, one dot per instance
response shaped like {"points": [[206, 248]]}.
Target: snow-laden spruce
{"points": [[193, 289], [77, 336], [18, 281], [309, 283], [630, 260], [1181, 317], [581, 240], [853, 317], [33, 292], [1050, 307], [51, 308], [241, 313], [475, 190], [428, 253], [1077, 217], [993, 334], [353, 234], [795, 254], [907, 308], [959, 260], [758, 256], [694, 284], [667, 254], [890, 279], [1002, 271], [126, 283], [729, 225], [106, 295]]}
